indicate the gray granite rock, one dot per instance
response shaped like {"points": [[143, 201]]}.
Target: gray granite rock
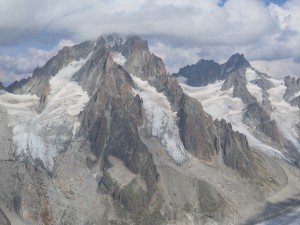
{"points": [[292, 86], [3, 218]]}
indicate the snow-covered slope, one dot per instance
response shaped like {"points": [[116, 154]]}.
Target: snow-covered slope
{"points": [[161, 120], [42, 135], [222, 105], [259, 101]]}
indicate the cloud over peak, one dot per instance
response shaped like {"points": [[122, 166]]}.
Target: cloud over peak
{"points": [[191, 29]]}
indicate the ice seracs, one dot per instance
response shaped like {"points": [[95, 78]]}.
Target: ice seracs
{"points": [[42, 135], [161, 121]]}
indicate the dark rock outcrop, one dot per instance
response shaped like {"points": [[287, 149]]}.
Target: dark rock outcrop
{"points": [[196, 130], [296, 102], [262, 82], [231, 143], [236, 62], [2, 87], [201, 73], [208, 71], [256, 117]]}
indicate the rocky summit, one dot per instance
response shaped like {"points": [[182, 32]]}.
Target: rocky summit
{"points": [[103, 134]]}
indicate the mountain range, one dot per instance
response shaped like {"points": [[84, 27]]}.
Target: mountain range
{"points": [[103, 134]]}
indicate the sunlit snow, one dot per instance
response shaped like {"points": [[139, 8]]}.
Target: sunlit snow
{"points": [[42, 136], [161, 120], [118, 58]]}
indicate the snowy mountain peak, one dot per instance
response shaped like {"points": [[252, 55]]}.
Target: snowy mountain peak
{"points": [[208, 71], [236, 61], [114, 39]]}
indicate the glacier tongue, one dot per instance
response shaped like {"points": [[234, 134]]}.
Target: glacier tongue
{"points": [[42, 136], [161, 121]]}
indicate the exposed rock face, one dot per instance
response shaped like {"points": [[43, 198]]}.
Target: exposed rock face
{"points": [[1, 87], [262, 82], [238, 81], [230, 144], [206, 139], [291, 94], [3, 219], [235, 62], [201, 73], [208, 71], [296, 102], [293, 86], [196, 130], [256, 116]]}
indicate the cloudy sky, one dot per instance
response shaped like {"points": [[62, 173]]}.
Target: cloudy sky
{"points": [[179, 31]]}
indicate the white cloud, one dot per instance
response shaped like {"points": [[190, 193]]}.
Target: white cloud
{"points": [[278, 68], [16, 67], [181, 28], [7, 77], [203, 21], [175, 57]]}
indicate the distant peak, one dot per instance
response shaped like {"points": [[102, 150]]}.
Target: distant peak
{"points": [[205, 61], [236, 61], [114, 39], [237, 57]]}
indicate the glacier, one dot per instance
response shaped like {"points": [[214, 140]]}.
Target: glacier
{"points": [[161, 120], [41, 136]]}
